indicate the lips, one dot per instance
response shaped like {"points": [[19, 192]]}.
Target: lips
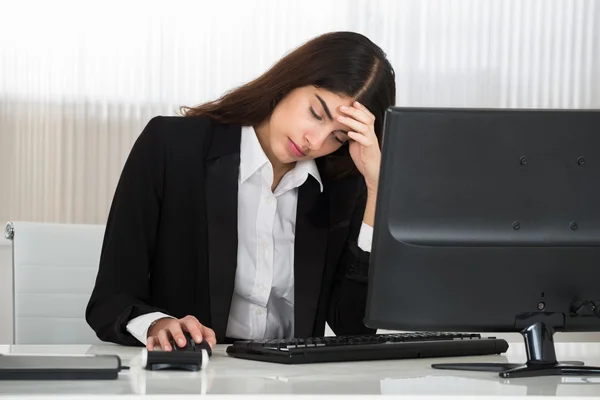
{"points": [[296, 150]]}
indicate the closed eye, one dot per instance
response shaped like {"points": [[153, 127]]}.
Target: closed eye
{"points": [[312, 111], [341, 136]]}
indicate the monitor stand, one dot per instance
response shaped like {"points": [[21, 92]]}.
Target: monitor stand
{"points": [[541, 358]]}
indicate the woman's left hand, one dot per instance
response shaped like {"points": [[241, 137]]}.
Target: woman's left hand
{"points": [[364, 146]]}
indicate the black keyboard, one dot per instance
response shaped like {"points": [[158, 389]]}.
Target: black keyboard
{"points": [[367, 347]]}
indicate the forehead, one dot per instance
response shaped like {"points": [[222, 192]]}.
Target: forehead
{"points": [[332, 99]]}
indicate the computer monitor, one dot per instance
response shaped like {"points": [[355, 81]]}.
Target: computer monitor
{"points": [[489, 221]]}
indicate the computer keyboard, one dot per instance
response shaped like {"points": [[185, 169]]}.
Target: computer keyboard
{"points": [[367, 347]]}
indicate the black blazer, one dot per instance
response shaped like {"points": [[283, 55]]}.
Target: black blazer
{"points": [[171, 237]]}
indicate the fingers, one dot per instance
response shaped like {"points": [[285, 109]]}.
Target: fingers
{"points": [[163, 338], [360, 138], [365, 110], [175, 329], [194, 327], [359, 113], [177, 333], [353, 124], [209, 336], [361, 121], [151, 342]]}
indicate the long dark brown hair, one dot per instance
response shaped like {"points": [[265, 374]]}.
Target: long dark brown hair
{"points": [[345, 63]]}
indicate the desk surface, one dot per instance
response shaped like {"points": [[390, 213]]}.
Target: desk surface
{"points": [[226, 375]]}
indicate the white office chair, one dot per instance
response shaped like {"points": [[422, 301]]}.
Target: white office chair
{"points": [[54, 270]]}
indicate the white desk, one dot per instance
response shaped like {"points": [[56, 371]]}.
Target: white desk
{"points": [[226, 375]]}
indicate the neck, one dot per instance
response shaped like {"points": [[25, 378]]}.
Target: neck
{"points": [[279, 168]]}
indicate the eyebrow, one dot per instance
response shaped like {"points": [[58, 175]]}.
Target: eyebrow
{"points": [[325, 107], [329, 113]]}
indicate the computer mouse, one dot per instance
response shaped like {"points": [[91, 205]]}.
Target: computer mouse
{"points": [[191, 345], [191, 357]]}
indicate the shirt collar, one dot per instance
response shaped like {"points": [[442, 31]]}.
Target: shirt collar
{"points": [[252, 158], [303, 169]]}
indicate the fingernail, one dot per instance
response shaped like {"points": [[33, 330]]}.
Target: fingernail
{"points": [[341, 118], [356, 103], [198, 339], [181, 342], [344, 108], [166, 348]]}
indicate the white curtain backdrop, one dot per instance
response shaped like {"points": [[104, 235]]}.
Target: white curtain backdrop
{"points": [[79, 80]]}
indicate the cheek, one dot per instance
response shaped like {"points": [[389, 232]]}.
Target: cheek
{"points": [[278, 129], [326, 149], [296, 127]]}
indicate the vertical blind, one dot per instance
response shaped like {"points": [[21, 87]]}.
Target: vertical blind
{"points": [[79, 80]]}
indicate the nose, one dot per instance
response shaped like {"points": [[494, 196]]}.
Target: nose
{"points": [[314, 140]]}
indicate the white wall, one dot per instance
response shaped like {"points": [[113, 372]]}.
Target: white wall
{"points": [[6, 291], [74, 95]]}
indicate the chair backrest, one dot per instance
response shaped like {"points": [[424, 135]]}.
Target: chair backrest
{"points": [[54, 270]]}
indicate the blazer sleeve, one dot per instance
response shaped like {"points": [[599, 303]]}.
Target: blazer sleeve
{"points": [[348, 299], [121, 289]]}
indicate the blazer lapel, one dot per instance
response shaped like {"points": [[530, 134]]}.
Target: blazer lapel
{"points": [[309, 255], [222, 169]]}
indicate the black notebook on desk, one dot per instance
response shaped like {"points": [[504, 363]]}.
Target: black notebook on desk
{"points": [[58, 367]]}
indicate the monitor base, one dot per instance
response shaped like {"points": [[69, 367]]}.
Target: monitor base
{"points": [[541, 359]]}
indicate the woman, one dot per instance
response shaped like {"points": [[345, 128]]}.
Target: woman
{"points": [[251, 216]]}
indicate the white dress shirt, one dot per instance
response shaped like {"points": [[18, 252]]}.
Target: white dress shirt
{"points": [[262, 305]]}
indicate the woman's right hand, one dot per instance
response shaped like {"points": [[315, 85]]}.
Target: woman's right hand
{"points": [[164, 329]]}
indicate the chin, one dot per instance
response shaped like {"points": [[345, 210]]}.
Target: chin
{"points": [[286, 159], [279, 158], [282, 155]]}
